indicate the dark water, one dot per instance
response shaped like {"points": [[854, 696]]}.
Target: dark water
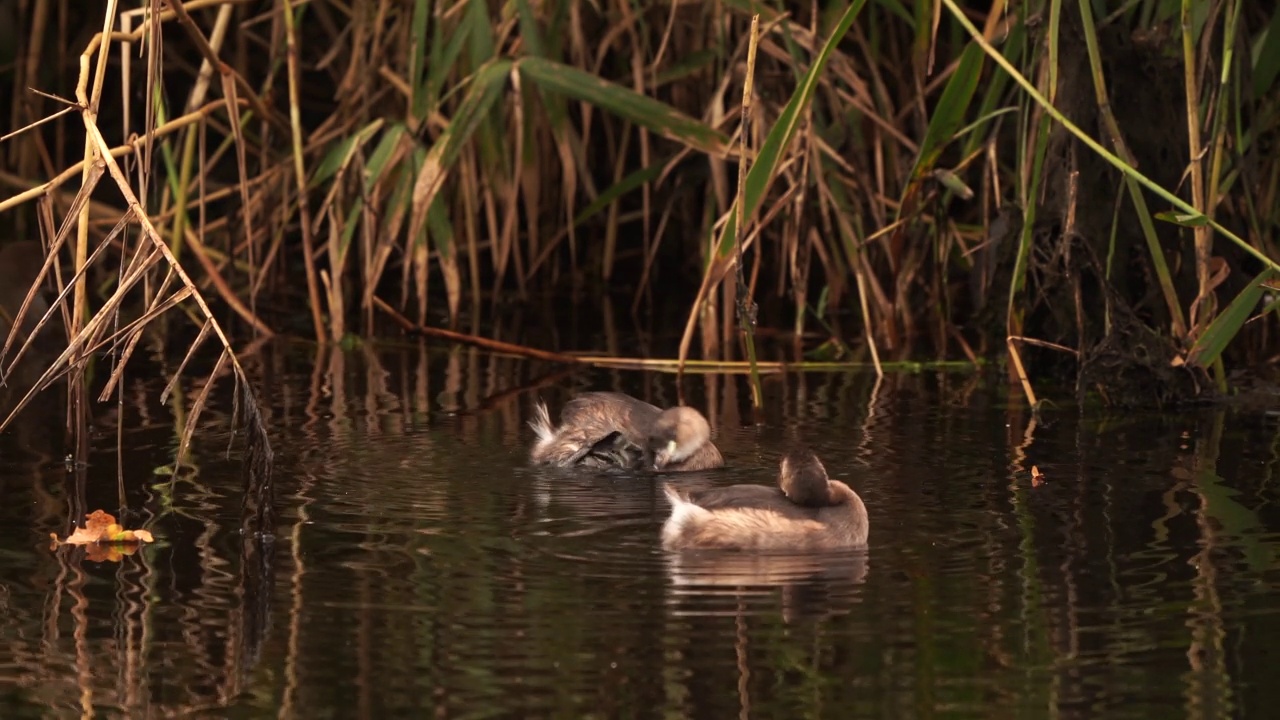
{"points": [[422, 570]]}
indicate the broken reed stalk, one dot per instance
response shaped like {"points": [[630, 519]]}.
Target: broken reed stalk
{"points": [[746, 305], [671, 365], [153, 236], [770, 367], [481, 342], [1021, 372], [133, 147]]}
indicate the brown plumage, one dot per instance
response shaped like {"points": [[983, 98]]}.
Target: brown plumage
{"points": [[807, 511], [608, 429]]}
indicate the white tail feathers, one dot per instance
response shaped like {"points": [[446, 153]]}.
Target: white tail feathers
{"points": [[682, 512], [541, 424], [673, 495]]}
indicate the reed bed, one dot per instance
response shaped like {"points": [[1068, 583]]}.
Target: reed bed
{"points": [[933, 179]]}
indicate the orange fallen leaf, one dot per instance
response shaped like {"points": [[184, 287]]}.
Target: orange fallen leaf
{"points": [[1037, 477], [100, 527], [109, 552]]}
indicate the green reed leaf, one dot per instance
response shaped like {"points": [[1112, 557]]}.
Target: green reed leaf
{"points": [[949, 113], [417, 55], [1266, 57], [484, 90], [340, 154], [1219, 334], [382, 154], [444, 56], [348, 231], [622, 187], [657, 116], [440, 228]]}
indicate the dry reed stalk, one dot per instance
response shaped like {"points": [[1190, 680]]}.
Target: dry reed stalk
{"points": [[55, 244], [746, 305], [1021, 373], [299, 170], [1203, 239], [91, 334], [120, 151]]}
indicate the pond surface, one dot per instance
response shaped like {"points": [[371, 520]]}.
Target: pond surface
{"points": [[421, 569]]}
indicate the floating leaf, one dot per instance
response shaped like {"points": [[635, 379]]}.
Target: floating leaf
{"points": [[101, 528]]}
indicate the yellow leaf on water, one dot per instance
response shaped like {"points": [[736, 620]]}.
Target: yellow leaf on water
{"points": [[100, 527], [1037, 477]]}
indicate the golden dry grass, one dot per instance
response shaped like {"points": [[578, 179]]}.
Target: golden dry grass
{"points": [[347, 156]]}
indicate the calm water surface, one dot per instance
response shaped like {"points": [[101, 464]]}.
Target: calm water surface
{"points": [[421, 569]]}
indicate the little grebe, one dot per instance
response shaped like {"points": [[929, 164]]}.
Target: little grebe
{"points": [[609, 429], [807, 511]]}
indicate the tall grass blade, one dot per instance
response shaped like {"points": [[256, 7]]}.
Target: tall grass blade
{"points": [[1266, 57], [636, 179], [746, 304], [1222, 330], [441, 231], [626, 103], [444, 55], [418, 89], [1203, 305], [341, 154], [949, 113], [485, 89], [1127, 168]]}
